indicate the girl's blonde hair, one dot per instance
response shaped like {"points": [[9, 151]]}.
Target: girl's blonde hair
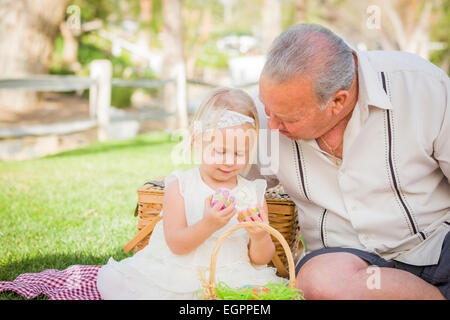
{"points": [[222, 99]]}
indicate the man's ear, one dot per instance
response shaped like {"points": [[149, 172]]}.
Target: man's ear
{"points": [[339, 100]]}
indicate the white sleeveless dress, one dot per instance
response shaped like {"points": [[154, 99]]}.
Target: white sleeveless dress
{"points": [[156, 273]]}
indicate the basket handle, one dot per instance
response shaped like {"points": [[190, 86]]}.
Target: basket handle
{"points": [[209, 290]]}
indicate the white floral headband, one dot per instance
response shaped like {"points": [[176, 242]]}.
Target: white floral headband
{"points": [[228, 119]]}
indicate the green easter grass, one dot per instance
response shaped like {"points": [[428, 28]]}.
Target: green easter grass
{"points": [[276, 291]]}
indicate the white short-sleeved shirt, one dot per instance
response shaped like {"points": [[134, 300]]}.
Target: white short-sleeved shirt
{"points": [[391, 193]]}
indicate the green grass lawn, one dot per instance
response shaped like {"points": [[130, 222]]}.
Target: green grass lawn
{"points": [[75, 207]]}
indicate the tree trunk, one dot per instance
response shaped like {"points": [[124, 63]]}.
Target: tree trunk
{"points": [[201, 37], [228, 11], [145, 14], [174, 65], [410, 25], [27, 32], [271, 22], [70, 49]]}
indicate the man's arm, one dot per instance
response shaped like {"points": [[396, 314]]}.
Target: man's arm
{"points": [[442, 142]]}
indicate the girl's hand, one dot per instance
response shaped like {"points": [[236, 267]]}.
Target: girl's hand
{"points": [[215, 217], [250, 215]]}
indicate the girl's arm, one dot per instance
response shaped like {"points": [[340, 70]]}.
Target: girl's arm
{"points": [[261, 248], [182, 238]]}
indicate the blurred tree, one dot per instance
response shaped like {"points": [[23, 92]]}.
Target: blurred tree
{"points": [[271, 22], [300, 11], [197, 19], [440, 33], [409, 24], [227, 10], [145, 13], [174, 64], [131, 20], [108, 10], [70, 46], [27, 32]]}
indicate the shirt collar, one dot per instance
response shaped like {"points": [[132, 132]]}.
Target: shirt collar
{"points": [[369, 83]]}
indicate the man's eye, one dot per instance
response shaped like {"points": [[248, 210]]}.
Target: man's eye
{"points": [[220, 151], [287, 120]]}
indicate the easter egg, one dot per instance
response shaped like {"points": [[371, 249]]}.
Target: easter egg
{"points": [[255, 211], [222, 193], [258, 291]]}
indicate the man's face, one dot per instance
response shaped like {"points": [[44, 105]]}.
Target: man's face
{"points": [[293, 108]]}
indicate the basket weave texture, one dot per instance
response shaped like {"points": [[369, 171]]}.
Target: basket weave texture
{"points": [[209, 286], [281, 210]]}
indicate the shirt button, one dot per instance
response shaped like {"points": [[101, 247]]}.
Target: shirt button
{"points": [[364, 237]]}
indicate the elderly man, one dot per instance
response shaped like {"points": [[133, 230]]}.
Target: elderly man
{"points": [[364, 152]]}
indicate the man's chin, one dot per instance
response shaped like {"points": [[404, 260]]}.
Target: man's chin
{"points": [[298, 136], [290, 136]]}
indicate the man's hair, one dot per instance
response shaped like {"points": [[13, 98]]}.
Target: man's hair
{"points": [[311, 51]]}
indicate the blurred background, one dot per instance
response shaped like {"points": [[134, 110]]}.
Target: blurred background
{"points": [[80, 71]]}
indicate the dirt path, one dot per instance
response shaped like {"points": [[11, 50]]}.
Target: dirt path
{"points": [[53, 108]]}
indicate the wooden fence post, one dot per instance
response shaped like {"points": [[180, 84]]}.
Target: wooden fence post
{"points": [[101, 72], [92, 95]]}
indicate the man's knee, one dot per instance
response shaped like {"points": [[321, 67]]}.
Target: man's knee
{"points": [[328, 276]]}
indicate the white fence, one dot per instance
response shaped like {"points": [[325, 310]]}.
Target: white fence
{"points": [[99, 85]]}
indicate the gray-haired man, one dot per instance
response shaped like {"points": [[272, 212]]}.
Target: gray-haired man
{"points": [[365, 155]]}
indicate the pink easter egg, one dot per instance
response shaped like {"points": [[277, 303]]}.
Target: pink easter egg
{"points": [[222, 193]]}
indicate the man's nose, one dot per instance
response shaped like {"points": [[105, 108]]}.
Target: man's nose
{"points": [[274, 124]]}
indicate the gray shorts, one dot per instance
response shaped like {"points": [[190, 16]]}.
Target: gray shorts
{"points": [[438, 275]]}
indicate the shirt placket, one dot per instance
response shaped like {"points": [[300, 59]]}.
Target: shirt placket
{"points": [[360, 114]]}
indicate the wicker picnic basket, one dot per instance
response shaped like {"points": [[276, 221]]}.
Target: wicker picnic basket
{"points": [[282, 217], [209, 287]]}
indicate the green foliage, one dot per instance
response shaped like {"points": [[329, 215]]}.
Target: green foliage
{"points": [[57, 65], [93, 47], [156, 22], [121, 96], [212, 57], [440, 33], [107, 10]]}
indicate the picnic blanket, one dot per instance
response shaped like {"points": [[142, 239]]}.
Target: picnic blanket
{"points": [[77, 282]]}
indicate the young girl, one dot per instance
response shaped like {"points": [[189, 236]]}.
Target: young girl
{"points": [[223, 134]]}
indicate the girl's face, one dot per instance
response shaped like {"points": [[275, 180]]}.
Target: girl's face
{"points": [[226, 154]]}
